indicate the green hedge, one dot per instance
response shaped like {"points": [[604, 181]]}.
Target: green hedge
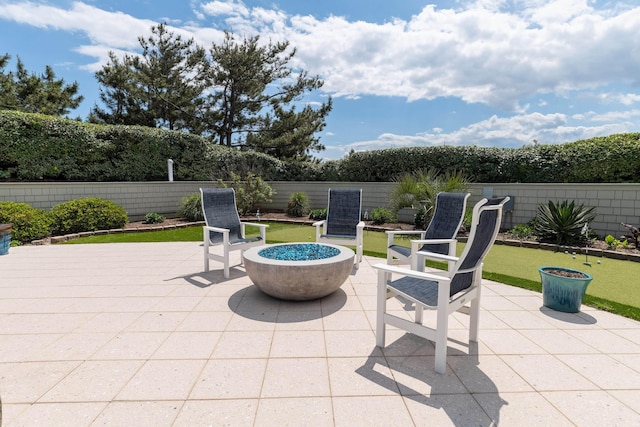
{"points": [[36, 147], [91, 214], [28, 223], [614, 158]]}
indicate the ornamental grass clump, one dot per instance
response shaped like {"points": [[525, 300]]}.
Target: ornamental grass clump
{"points": [[298, 205]]}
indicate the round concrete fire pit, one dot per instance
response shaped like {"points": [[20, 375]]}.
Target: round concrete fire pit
{"points": [[298, 271]]}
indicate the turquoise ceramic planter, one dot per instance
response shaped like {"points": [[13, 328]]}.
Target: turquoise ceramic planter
{"points": [[5, 238], [562, 293]]}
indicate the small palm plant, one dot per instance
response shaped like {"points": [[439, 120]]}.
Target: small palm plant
{"points": [[420, 188], [562, 222]]}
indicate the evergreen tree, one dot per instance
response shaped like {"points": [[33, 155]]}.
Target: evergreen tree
{"points": [[254, 90], [241, 94], [123, 98], [161, 87], [34, 93]]}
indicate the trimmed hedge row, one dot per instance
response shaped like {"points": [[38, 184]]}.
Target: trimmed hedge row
{"points": [[36, 147], [73, 216], [614, 158]]}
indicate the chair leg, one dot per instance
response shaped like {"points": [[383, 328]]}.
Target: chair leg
{"points": [[206, 249], [441, 340], [226, 263], [418, 314], [381, 309], [474, 317]]}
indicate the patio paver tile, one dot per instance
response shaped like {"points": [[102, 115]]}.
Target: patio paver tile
{"points": [[93, 381], [227, 412], [78, 414], [592, 408], [230, 379], [162, 380], [150, 413], [297, 377], [295, 412], [359, 411], [521, 409]]}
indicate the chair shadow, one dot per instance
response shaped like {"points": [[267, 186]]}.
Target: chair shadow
{"points": [[204, 279], [406, 357]]}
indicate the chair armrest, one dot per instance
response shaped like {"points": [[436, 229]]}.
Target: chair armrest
{"points": [[262, 227], [394, 232], [360, 225], [385, 268], [436, 256], [255, 224], [391, 234], [416, 244], [216, 229], [319, 223], [434, 241], [206, 237]]}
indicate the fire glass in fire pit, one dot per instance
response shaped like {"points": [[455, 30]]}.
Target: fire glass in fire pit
{"points": [[299, 252]]}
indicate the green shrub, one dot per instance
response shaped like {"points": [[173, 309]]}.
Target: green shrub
{"points": [[382, 216], [28, 223], [522, 231], [562, 222], [191, 208], [318, 214], [153, 218], [250, 192], [89, 214], [298, 204], [614, 243]]}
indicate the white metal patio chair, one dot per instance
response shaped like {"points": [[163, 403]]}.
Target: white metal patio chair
{"points": [[443, 291], [223, 227], [439, 237], [343, 225]]}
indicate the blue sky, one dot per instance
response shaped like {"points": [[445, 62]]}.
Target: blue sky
{"points": [[497, 73]]}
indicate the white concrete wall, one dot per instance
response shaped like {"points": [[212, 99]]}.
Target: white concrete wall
{"points": [[615, 203]]}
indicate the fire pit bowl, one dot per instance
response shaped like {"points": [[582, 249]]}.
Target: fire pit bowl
{"points": [[298, 271]]}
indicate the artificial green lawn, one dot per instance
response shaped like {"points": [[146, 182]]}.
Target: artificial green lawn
{"points": [[613, 287]]}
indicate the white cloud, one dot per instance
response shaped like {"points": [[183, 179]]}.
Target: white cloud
{"points": [[615, 116], [224, 8], [492, 52], [627, 98], [114, 29], [480, 54], [512, 132]]}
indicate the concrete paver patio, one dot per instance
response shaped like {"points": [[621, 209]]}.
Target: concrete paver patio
{"points": [[137, 334]]}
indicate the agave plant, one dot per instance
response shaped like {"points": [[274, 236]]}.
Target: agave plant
{"points": [[562, 222]]}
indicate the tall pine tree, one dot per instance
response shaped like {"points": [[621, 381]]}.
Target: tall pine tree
{"points": [[34, 93], [161, 87], [254, 99]]}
